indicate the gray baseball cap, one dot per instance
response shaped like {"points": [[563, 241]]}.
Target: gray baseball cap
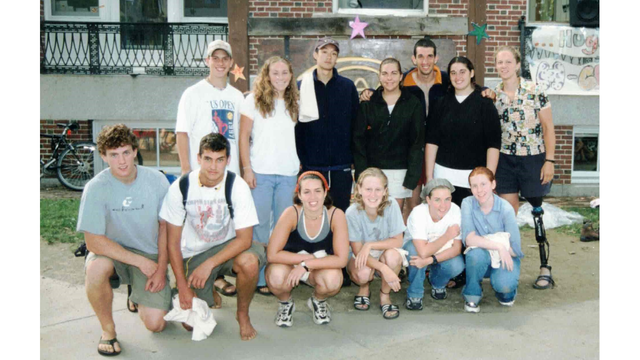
{"points": [[219, 45], [326, 41], [434, 184]]}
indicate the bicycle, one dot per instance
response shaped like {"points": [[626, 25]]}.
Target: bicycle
{"points": [[73, 162]]}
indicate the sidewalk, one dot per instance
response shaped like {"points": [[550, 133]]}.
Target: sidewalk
{"points": [[69, 330]]}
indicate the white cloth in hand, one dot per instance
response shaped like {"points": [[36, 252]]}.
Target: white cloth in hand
{"points": [[199, 317], [318, 254], [500, 237], [308, 103]]}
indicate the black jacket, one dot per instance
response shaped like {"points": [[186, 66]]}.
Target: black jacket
{"points": [[390, 141]]}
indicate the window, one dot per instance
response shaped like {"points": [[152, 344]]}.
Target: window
{"points": [[205, 8], [586, 160], [143, 36], [548, 11], [157, 147], [74, 10], [381, 7]]}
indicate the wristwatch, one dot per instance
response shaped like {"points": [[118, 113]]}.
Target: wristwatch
{"points": [[435, 260], [304, 265]]}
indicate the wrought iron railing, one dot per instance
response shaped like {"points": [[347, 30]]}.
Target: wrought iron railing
{"points": [[126, 48]]}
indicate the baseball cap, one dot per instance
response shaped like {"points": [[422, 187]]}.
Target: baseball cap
{"points": [[436, 183], [326, 41], [219, 44]]}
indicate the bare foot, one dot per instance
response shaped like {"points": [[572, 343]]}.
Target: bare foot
{"points": [[247, 332], [107, 348], [217, 300]]}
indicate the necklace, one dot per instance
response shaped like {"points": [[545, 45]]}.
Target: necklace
{"points": [[312, 217]]}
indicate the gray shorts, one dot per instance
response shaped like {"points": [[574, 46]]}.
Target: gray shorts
{"points": [[131, 275], [193, 262]]}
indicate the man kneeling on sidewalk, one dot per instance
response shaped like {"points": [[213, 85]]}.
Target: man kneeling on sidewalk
{"points": [[210, 234], [126, 238]]}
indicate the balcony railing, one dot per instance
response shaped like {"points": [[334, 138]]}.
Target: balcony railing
{"points": [[126, 48]]}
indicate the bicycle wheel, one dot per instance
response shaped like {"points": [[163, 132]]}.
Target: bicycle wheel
{"points": [[75, 166]]}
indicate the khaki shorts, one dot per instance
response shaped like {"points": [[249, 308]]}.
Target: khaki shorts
{"points": [[131, 275], [190, 264]]}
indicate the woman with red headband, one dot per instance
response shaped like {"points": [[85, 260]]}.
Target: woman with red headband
{"points": [[310, 243]]}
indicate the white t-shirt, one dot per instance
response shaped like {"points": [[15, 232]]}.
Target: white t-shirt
{"points": [[203, 109], [273, 140], [208, 221], [420, 226]]}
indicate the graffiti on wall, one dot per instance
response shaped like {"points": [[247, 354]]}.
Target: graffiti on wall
{"points": [[563, 59]]}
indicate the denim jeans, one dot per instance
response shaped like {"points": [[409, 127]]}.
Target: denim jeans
{"points": [[439, 275], [503, 282], [273, 193]]}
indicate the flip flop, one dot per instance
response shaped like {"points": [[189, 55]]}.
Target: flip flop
{"points": [[129, 302], [224, 290], [109, 342], [389, 308], [264, 290], [362, 303]]}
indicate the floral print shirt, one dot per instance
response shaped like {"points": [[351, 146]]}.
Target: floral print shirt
{"points": [[521, 127]]}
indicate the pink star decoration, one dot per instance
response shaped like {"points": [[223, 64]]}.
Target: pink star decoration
{"points": [[358, 27]]}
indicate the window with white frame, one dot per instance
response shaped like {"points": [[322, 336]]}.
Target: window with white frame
{"points": [[586, 155], [75, 10], [556, 11], [381, 7], [156, 144]]}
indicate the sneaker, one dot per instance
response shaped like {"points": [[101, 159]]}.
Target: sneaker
{"points": [[321, 312], [471, 307], [439, 294], [284, 316], [413, 303], [510, 303]]}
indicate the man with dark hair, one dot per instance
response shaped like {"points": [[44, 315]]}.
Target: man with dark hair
{"points": [[210, 230], [125, 236], [210, 106], [328, 108]]}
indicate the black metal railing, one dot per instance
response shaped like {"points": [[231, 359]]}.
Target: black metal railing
{"points": [[126, 48]]}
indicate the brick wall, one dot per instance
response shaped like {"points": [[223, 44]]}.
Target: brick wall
{"points": [[564, 154], [84, 133]]}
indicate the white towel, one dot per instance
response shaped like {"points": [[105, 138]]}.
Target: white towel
{"points": [[444, 247], [499, 237], [199, 317], [318, 254], [308, 103]]}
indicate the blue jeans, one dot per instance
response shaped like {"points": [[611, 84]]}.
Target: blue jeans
{"points": [[273, 193], [503, 282], [439, 275]]}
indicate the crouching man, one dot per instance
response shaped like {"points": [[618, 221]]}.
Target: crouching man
{"points": [[126, 238], [210, 230]]}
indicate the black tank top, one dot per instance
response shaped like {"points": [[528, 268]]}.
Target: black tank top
{"points": [[299, 239]]}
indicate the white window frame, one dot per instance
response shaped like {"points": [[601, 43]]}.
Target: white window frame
{"points": [[585, 177], [103, 13], [176, 14], [136, 124], [381, 12], [539, 23]]}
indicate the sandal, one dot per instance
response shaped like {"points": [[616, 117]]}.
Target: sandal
{"points": [[134, 308], [547, 278], [264, 290], [109, 342], [362, 303], [387, 308], [224, 290]]}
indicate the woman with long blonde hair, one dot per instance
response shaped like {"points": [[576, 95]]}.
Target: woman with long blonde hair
{"points": [[268, 148]]}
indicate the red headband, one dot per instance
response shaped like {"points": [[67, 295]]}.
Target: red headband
{"points": [[326, 185]]}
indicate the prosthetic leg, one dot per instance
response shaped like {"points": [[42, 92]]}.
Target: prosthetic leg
{"points": [[543, 244]]}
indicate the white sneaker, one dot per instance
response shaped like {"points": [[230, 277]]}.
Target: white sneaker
{"points": [[471, 307], [510, 303], [284, 316], [320, 309]]}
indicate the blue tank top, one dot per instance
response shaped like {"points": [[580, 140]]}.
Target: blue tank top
{"points": [[299, 239]]}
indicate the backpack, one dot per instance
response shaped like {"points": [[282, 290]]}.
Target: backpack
{"points": [[228, 186]]}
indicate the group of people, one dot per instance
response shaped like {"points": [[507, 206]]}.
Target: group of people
{"points": [[266, 190]]}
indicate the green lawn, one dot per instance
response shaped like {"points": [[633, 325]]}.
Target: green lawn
{"points": [[58, 219]]}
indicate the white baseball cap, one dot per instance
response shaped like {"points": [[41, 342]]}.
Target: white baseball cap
{"points": [[219, 45]]}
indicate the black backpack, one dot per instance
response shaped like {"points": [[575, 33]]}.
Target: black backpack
{"points": [[228, 186]]}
